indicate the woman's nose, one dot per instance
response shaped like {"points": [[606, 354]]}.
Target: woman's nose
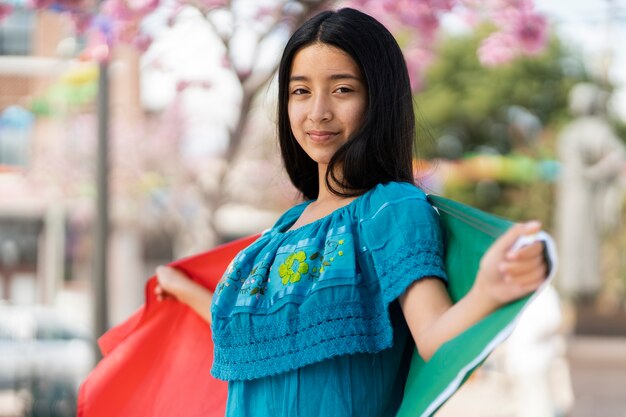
{"points": [[320, 109]]}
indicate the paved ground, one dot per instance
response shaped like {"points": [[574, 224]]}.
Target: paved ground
{"points": [[10, 404], [598, 375], [598, 367]]}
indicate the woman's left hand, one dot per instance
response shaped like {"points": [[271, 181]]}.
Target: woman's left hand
{"points": [[507, 274]]}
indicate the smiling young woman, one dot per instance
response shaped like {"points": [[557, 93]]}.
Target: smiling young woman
{"points": [[319, 316]]}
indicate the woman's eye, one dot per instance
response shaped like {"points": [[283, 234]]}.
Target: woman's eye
{"points": [[343, 90], [299, 91]]}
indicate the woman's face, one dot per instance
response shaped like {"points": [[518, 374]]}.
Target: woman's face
{"points": [[327, 100]]}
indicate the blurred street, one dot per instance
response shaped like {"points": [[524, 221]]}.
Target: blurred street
{"points": [[598, 367], [598, 372]]}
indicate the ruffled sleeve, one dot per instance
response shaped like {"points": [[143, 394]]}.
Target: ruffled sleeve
{"points": [[404, 239]]}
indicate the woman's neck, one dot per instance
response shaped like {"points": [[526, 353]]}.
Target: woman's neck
{"points": [[326, 202], [325, 195]]}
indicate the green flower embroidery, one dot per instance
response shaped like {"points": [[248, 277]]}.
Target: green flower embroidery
{"points": [[293, 268], [258, 279]]}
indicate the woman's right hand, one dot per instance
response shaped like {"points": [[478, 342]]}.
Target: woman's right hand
{"points": [[172, 283]]}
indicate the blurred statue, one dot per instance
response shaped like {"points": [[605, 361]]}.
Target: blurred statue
{"points": [[589, 195]]}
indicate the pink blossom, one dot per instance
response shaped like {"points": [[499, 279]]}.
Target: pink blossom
{"points": [[531, 33], [507, 14], [72, 4], [82, 22], [418, 17], [357, 4], [522, 5], [142, 42], [527, 27], [5, 10], [125, 10], [97, 47], [442, 5], [422, 18], [522, 31], [116, 10], [376, 8], [120, 24], [142, 7], [472, 4], [243, 73], [406, 5], [226, 62], [176, 9], [182, 85], [213, 4], [270, 12], [470, 17], [497, 49], [126, 31], [206, 4], [39, 4]]}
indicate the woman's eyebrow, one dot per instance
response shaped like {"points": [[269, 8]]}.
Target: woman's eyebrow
{"points": [[333, 77], [345, 76]]}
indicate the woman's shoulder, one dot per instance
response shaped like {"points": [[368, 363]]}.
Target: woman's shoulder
{"points": [[396, 190], [392, 196], [395, 210]]}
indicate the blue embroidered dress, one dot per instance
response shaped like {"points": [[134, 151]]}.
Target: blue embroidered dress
{"points": [[305, 321]]}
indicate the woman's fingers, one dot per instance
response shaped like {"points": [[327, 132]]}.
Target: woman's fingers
{"points": [[174, 283], [501, 249], [509, 271], [524, 266], [530, 251], [526, 273], [160, 293], [165, 281], [529, 277]]}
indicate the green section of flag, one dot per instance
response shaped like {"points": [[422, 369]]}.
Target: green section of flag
{"points": [[469, 232]]}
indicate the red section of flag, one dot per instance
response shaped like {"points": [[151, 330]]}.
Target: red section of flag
{"points": [[157, 363]]}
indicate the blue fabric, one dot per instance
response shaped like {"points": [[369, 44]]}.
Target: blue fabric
{"points": [[309, 315], [363, 385]]}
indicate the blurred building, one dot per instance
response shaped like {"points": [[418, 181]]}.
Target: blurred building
{"points": [[28, 62], [47, 128]]}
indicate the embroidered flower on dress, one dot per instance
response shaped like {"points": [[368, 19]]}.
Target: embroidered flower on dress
{"points": [[293, 268], [234, 275], [256, 282]]}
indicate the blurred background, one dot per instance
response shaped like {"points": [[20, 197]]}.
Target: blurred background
{"points": [[135, 132]]}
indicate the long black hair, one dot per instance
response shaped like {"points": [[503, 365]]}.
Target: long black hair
{"points": [[381, 150]]}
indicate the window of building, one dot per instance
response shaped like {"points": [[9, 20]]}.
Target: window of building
{"points": [[15, 136], [16, 32]]}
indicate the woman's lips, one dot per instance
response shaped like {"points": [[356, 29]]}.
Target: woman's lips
{"points": [[320, 135]]}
